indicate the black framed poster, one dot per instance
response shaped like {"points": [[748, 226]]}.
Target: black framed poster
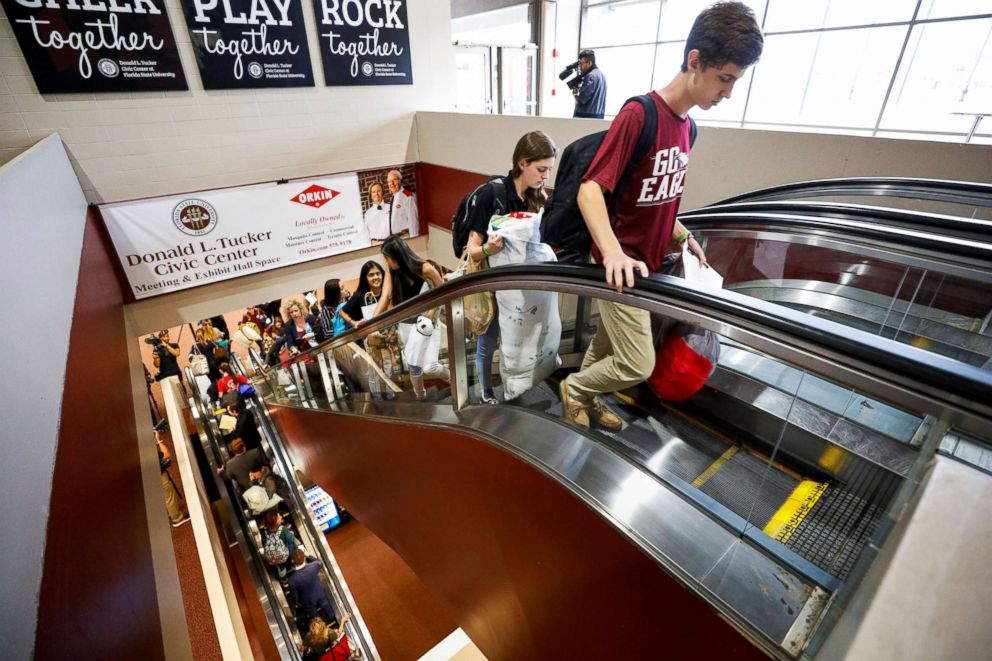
{"points": [[364, 42], [97, 45], [249, 43]]}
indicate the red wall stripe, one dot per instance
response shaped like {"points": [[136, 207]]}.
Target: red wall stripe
{"points": [[98, 596]]}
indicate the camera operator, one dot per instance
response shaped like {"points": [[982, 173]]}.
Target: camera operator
{"points": [[173, 501], [166, 354], [590, 92]]}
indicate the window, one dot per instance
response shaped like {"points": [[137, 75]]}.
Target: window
{"points": [[888, 67]]}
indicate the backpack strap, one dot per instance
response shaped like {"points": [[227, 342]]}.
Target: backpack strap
{"points": [[648, 133], [499, 190], [693, 132]]}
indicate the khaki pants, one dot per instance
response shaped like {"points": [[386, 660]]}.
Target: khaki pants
{"points": [[171, 499], [621, 354]]}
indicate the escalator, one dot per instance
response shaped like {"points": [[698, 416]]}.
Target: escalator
{"points": [[763, 499], [244, 529]]}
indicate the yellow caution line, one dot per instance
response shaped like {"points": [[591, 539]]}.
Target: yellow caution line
{"points": [[794, 510], [715, 466]]}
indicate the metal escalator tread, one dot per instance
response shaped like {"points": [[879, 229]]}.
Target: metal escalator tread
{"points": [[835, 530], [748, 486]]}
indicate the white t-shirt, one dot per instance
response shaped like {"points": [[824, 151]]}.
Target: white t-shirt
{"points": [[405, 215]]}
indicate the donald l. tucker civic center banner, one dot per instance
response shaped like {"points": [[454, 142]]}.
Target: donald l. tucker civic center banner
{"points": [[172, 243]]}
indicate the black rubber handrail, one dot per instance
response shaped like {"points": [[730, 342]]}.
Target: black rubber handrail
{"points": [[941, 190], [972, 228], [970, 387], [968, 248]]}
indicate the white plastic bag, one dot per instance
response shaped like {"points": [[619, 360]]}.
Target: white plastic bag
{"points": [[529, 324], [693, 272], [421, 350]]}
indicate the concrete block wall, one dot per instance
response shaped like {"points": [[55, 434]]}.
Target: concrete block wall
{"points": [[130, 145]]}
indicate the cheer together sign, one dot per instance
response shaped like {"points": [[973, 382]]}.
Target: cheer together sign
{"points": [[97, 45]]}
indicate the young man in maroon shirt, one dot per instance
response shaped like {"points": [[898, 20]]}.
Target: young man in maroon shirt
{"points": [[634, 231]]}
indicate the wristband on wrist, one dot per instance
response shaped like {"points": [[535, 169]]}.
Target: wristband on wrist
{"points": [[484, 251], [683, 236]]}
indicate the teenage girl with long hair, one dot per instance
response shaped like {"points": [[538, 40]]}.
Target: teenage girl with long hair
{"points": [[382, 346], [406, 276], [523, 190]]}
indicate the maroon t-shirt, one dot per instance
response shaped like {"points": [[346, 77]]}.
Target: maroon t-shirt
{"points": [[645, 215]]}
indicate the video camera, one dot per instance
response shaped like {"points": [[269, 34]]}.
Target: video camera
{"points": [[154, 340], [570, 70]]}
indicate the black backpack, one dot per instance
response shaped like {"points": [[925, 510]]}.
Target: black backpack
{"points": [[562, 226], [459, 222]]}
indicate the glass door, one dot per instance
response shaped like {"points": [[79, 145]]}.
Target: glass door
{"points": [[474, 76]]}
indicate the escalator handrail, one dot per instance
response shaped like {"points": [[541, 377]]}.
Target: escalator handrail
{"points": [[917, 220], [969, 386], [941, 190], [918, 239]]}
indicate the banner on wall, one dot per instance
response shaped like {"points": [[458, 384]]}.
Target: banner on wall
{"points": [[97, 45], [173, 243], [364, 42], [249, 43]]}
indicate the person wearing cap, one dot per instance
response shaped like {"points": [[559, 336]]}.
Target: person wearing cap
{"points": [[590, 96], [166, 354]]}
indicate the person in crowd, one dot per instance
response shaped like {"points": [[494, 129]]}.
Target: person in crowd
{"points": [[523, 190], [173, 501], [323, 642], [368, 293], [206, 348], [277, 351], [300, 333], [382, 346], [590, 96], [377, 215], [245, 428], [256, 315], [211, 332], [403, 214], [165, 357], [269, 334], [274, 525], [406, 276], [331, 322], [229, 381], [275, 485], [632, 234], [246, 466], [306, 590]]}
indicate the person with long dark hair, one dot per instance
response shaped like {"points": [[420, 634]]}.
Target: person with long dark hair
{"points": [[406, 276], [522, 189], [369, 291], [331, 322], [382, 346]]}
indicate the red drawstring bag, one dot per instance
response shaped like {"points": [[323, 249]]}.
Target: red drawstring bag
{"points": [[685, 361]]}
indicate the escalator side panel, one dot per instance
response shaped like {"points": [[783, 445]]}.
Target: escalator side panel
{"points": [[525, 568]]}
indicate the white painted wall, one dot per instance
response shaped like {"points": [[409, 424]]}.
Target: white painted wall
{"points": [[42, 216], [152, 143], [724, 161]]}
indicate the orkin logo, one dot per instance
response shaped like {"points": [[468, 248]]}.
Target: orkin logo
{"points": [[316, 196]]}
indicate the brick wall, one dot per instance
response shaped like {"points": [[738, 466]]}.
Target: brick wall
{"points": [[368, 177], [124, 146]]}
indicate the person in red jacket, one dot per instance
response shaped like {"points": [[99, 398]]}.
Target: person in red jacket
{"points": [[229, 381]]}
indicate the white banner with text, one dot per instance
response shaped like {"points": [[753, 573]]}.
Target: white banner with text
{"points": [[172, 243]]}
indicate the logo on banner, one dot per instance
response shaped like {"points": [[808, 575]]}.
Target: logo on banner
{"points": [[194, 217], [255, 70], [315, 196], [108, 67]]}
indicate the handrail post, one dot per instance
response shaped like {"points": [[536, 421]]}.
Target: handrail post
{"points": [[455, 311]]}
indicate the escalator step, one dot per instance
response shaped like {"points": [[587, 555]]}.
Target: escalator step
{"points": [[750, 487], [835, 530]]}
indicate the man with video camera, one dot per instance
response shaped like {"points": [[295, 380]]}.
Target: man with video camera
{"points": [[588, 87], [166, 354]]}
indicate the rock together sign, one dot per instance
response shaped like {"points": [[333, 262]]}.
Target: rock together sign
{"points": [[364, 42]]}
